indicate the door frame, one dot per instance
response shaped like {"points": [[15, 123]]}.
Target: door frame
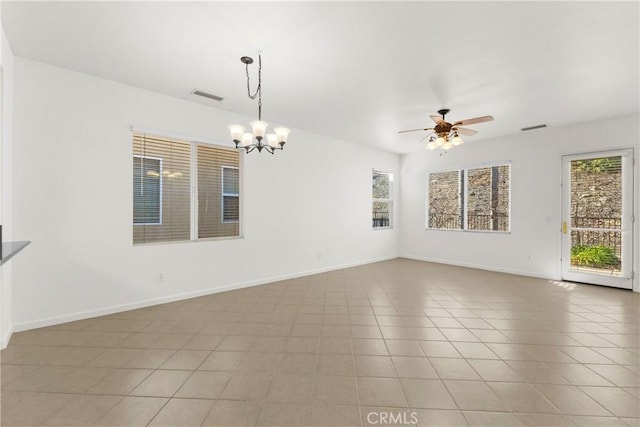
{"points": [[625, 281]]}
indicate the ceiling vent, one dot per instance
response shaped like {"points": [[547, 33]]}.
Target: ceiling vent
{"points": [[533, 127], [207, 95]]}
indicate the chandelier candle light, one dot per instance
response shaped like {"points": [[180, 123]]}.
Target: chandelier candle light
{"points": [[245, 140]]}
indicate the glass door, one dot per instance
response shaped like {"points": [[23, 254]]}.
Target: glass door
{"points": [[597, 218]]}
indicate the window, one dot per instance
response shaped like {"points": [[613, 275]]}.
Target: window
{"points": [[469, 199], [165, 208], [147, 190], [382, 201], [230, 194]]}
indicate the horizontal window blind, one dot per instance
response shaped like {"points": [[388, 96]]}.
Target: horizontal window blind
{"points": [[218, 191], [162, 189]]}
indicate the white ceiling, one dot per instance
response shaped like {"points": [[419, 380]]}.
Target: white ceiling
{"points": [[357, 71]]}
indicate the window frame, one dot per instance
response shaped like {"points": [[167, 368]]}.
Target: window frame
{"points": [[193, 205], [465, 197], [388, 200], [223, 194], [160, 190]]}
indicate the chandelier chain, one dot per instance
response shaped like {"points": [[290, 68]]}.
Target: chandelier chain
{"points": [[258, 92]]}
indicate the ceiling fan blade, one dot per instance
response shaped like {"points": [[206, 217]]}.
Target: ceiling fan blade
{"points": [[414, 130], [474, 120], [437, 118], [464, 131]]}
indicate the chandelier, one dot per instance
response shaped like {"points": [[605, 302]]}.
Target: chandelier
{"points": [[245, 140]]}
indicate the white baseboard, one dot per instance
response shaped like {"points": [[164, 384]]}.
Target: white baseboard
{"points": [[480, 267], [56, 320], [6, 337]]}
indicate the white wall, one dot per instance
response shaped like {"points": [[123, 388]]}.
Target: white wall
{"points": [[306, 209], [533, 246], [6, 186]]}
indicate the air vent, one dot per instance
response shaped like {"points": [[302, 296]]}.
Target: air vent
{"points": [[207, 95], [533, 127]]}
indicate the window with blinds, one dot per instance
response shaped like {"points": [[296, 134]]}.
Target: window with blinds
{"points": [[469, 199], [382, 202], [164, 172], [216, 215]]}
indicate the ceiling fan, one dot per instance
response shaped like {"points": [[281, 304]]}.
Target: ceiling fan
{"points": [[445, 135]]}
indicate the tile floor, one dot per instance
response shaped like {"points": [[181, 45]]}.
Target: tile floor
{"points": [[393, 343]]}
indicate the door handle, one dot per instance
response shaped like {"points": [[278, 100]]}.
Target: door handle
{"points": [[564, 227]]}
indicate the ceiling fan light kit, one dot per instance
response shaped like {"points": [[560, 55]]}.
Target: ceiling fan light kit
{"points": [[446, 135], [245, 140]]}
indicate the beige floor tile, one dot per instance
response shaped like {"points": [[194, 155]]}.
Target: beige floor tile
{"points": [[474, 396], [371, 347], [537, 372], [336, 416], [149, 359], [204, 385], [495, 370], [615, 400], [619, 375], [585, 355], [83, 411], [459, 335], [247, 386], [474, 350], [381, 392], [161, 383], [578, 374], [414, 367], [31, 409], [454, 369], [75, 380], [335, 345], [588, 421], [291, 388], [439, 349], [543, 420], [404, 348], [427, 394], [368, 332], [120, 381], [183, 412], [186, 359], [374, 366], [493, 419], [298, 363], [132, 411], [222, 361], [233, 413], [570, 400], [301, 345], [440, 417], [335, 364], [259, 362], [114, 357], [335, 390], [284, 414], [522, 397]]}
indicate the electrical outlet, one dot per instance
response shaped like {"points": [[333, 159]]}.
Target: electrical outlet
{"points": [[160, 277]]}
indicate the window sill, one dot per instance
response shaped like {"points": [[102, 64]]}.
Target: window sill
{"points": [[174, 242], [381, 228], [469, 231]]}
